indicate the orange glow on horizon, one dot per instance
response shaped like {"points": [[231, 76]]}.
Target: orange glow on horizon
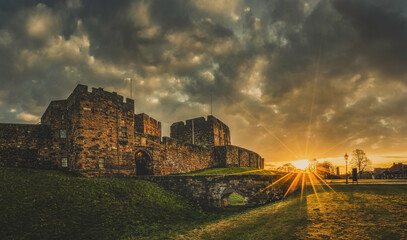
{"points": [[300, 164]]}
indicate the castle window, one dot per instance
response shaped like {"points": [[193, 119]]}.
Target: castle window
{"points": [[64, 162], [63, 116], [62, 133], [124, 132], [101, 162]]}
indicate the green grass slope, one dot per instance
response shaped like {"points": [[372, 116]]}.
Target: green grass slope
{"points": [[231, 170], [43, 204]]}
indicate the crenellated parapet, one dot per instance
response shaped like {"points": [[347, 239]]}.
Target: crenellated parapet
{"points": [[201, 131], [147, 125]]}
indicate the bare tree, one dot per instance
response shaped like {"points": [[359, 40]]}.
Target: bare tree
{"points": [[360, 160], [325, 169]]}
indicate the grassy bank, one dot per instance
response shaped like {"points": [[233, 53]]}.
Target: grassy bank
{"points": [[231, 170], [41, 204], [353, 212]]}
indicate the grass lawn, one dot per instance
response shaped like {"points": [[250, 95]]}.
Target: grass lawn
{"points": [[44, 204], [354, 212], [41, 204], [231, 170], [236, 200]]}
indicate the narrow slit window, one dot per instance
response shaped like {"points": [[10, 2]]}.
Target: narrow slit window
{"points": [[62, 133], [124, 132], [101, 163], [64, 162]]}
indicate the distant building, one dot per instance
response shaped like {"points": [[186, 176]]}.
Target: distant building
{"points": [[398, 170]]}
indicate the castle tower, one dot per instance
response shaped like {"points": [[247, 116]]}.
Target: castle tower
{"points": [[199, 131]]}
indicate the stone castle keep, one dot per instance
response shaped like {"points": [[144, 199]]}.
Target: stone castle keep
{"points": [[97, 133]]}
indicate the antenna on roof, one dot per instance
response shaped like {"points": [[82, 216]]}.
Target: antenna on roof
{"points": [[211, 103], [131, 88]]}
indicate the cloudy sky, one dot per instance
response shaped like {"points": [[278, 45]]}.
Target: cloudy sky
{"points": [[292, 79]]}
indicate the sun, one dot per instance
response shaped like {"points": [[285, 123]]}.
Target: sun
{"points": [[300, 164]]}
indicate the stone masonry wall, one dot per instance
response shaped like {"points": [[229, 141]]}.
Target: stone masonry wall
{"points": [[173, 157], [221, 132], [201, 132], [210, 190], [147, 125], [233, 156], [56, 118], [21, 144], [102, 128], [164, 158]]}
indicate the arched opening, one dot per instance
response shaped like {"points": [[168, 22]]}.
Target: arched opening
{"points": [[143, 164], [233, 199]]}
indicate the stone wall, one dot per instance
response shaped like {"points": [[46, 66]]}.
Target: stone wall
{"points": [[147, 125], [233, 156], [22, 145], [101, 130], [56, 118], [210, 190], [220, 131], [201, 132], [172, 157]]}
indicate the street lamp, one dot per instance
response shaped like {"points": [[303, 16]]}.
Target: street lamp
{"points": [[346, 159]]}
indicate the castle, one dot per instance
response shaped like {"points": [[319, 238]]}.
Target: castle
{"points": [[97, 133]]}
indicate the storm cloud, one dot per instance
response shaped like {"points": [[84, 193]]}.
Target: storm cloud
{"points": [[293, 79]]}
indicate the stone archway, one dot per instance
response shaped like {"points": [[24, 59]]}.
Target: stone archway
{"points": [[226, 201], [144, 165]]}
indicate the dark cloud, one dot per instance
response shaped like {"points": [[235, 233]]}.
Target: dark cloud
{"points": [[319, 76]]}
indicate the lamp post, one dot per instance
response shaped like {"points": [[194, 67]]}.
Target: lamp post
{"points": [[346, 173]]}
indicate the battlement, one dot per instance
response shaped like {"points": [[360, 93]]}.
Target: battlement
{"points": [[100, 93], [199, 120], [147, 125], [201, 131]]}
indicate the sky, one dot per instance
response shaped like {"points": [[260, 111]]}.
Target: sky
{"points": [[292, 79]]}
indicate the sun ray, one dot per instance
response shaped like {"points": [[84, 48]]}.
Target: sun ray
{"points": [[334, 146], [322, 169], [279, 180], [302, 185], [293, 184], [315, 191], [314, 87], [318, 182], [265, 128], [316, 174]]}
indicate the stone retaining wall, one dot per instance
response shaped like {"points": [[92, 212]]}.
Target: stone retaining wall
{"points": [[210, 190]]}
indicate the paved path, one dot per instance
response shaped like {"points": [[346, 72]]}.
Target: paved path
{"points": [[370, 181]]}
